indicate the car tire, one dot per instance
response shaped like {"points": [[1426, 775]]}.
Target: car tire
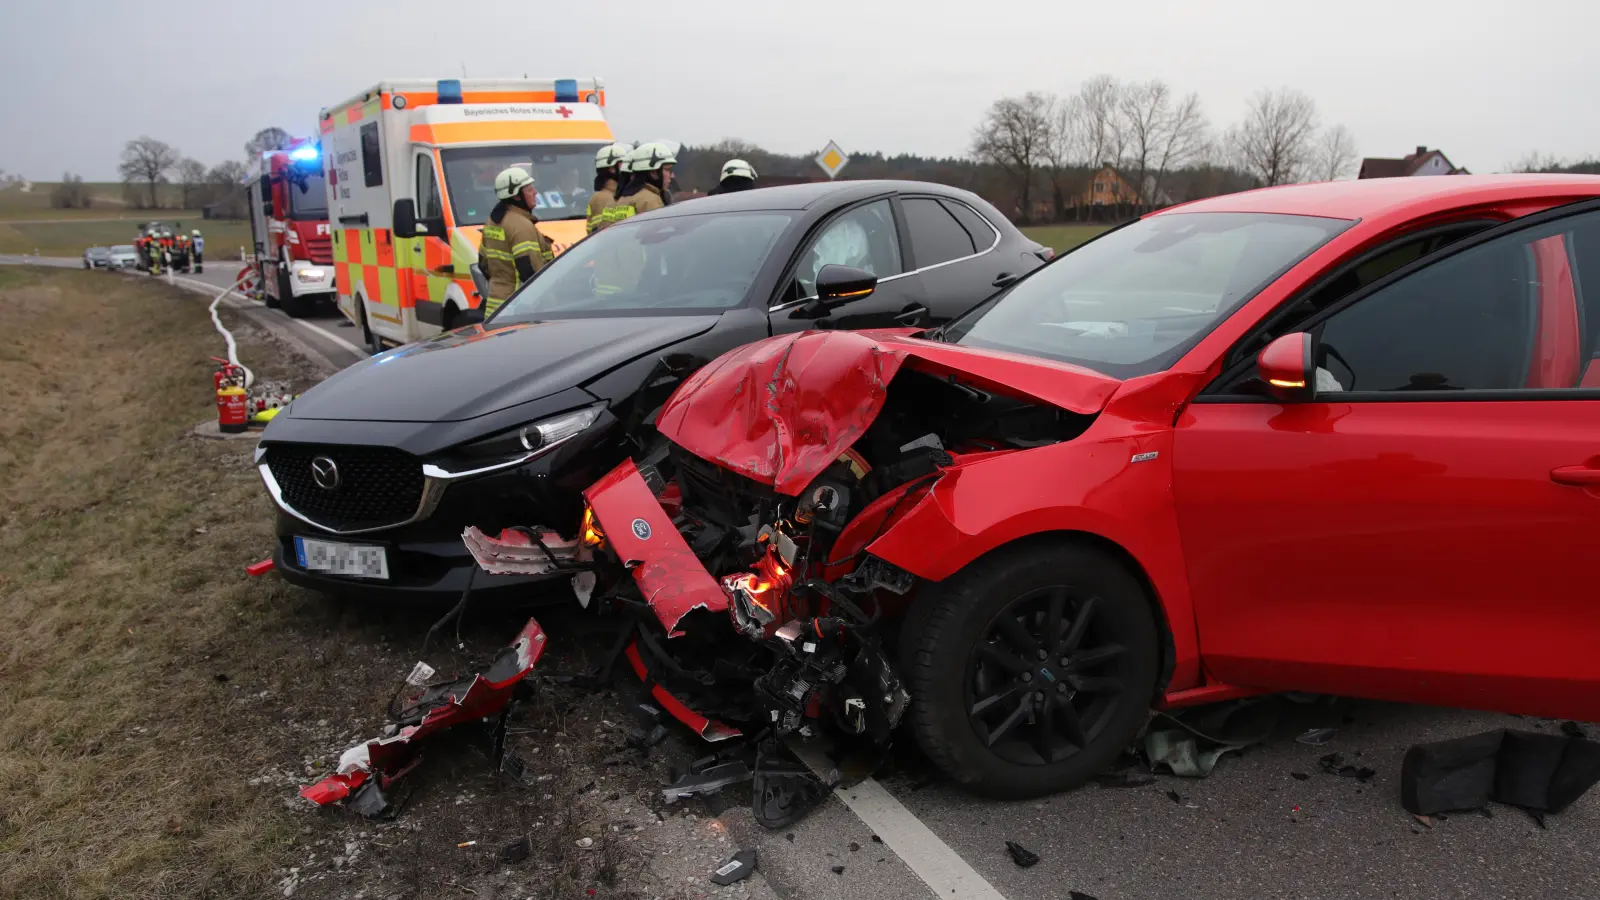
{"points": [[1084, 712]]}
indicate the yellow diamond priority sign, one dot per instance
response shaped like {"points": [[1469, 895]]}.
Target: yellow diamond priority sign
{"points": [[832, 159]]}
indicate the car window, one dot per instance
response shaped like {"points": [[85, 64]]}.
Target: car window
{"points": [[863, 238], [371, 158], [982, 231], [1135, 300], [936, 236], [1516, 312]]}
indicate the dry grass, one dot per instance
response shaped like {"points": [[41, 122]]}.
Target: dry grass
{"points": [[158, 709], [115, 777], [70, 236]]}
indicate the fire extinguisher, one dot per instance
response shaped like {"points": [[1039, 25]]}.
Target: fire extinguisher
{"points": [[232, 416]]}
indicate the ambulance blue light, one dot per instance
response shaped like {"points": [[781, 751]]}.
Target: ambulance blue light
{"points": [[566, 90], [449, 90], [302, 154]]}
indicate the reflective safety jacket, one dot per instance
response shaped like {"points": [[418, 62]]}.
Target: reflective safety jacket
{"points": [[515, 237], [598, 203], [648, 198]]}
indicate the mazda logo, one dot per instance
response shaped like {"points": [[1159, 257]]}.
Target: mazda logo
{"points": [[325, 472]]}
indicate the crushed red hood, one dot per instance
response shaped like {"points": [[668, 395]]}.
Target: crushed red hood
{"points": [[781, 410]]}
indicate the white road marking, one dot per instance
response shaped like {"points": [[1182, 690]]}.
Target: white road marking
{"points": [[941, 868]]}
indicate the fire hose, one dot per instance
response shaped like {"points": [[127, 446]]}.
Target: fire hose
{"points": [[216, 322]]}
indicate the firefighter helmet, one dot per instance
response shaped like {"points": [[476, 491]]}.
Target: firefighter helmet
{"points": [[737, 168], [510, 182], [611, 155], [650, 156]]}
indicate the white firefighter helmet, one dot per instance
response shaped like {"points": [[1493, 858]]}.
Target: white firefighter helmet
{"points": [[737, 168], [650, 156], [612, 154], [510, 182]]}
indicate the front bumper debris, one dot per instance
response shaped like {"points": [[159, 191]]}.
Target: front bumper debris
{"points": [[367, 771]]}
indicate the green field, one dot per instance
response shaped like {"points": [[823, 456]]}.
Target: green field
{"points": [[1062, 238], [28, 222]]}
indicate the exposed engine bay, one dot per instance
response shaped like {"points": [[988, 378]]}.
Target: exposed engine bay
{"points": [[738, 548]]}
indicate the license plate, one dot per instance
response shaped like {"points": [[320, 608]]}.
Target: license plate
{"points": [[353, 560]]}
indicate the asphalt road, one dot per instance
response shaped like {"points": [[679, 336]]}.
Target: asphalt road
{"points": [[1251, 829], [327, 332]]}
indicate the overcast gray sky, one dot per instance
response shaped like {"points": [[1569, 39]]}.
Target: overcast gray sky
{"points": [[1485, 80]]}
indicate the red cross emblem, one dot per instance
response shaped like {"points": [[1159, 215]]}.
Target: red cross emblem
{"points": [[563, 112]]}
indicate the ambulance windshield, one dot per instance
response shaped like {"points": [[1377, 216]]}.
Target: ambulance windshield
{"points": [[563, 174]]}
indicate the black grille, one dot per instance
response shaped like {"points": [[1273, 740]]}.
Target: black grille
{"points": [[378, 486]]}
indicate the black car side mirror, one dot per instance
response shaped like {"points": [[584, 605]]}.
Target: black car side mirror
{"points": [[836, 286], [405, 218]]}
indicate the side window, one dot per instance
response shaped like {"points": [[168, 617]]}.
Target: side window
{"points": [[1508, 314], [936, 236], [863, 238], [982, 232], [371, 159], [429, 205]]}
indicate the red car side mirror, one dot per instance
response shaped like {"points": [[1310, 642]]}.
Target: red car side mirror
{"points": [[1286, 367]]}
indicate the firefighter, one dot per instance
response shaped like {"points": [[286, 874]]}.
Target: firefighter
{"points": [[649, 185], [607, 172], [156, 254], [199, 251], [512, 249], [737, 175]]}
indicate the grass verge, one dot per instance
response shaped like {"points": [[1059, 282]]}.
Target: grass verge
{"points": [[1062, 238], [70, 237]]}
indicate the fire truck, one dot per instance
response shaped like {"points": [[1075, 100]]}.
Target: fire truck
{"points": [[289, 227], [410, 169]]}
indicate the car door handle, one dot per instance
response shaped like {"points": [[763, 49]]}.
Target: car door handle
{"points": [[912, 315], [1004, 279], [1578, 476]]}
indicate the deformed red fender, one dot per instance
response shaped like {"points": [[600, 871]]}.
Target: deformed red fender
{"points": [[780, 411]]}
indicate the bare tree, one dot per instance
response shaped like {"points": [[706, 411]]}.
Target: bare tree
{"points": [[1063, 148], [70, 193], [1274, 142], [273, 138], [1102, 139], [1013, 137], [146, 161], [192, 180], [226, 181], [1162, 131], [1334, 155], [1538, 162]]}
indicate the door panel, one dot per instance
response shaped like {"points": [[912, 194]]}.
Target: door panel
{"points": [[1408, 551], [1420, 531]]}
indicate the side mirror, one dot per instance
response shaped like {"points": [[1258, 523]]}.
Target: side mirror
{"points": [[836, 286], [1286, 367], [405, 218]]}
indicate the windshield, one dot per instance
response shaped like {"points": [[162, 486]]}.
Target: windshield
{"points": [[562, 173], [1134, 301], [680, 264], [308, 197]]}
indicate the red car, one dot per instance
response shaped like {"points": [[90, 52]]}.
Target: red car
{"points": [[1340, 438]]}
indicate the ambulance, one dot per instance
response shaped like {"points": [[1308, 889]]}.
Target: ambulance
{"points": [[410, 169]]}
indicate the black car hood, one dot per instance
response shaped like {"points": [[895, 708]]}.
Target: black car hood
{"points": [[479, 369]]}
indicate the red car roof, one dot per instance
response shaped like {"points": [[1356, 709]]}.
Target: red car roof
{"points": [[1383, 197]]}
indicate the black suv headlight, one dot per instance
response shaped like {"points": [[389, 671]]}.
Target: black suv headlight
{"points": [[530, 438]]}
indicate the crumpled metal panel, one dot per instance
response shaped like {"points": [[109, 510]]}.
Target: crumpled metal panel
{"points": [[479, 697], [780, 411], [641, 534]]}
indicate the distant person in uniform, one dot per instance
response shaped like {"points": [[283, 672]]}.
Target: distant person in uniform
{"points": [[607, 173], [512, 250], [199, 251], [737, 175]]}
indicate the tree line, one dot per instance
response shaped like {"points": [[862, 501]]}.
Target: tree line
{"points": [[148, 164]]}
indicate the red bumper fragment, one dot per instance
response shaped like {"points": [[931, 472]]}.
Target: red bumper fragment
{"points": [[641, 534], [440, 707]]}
